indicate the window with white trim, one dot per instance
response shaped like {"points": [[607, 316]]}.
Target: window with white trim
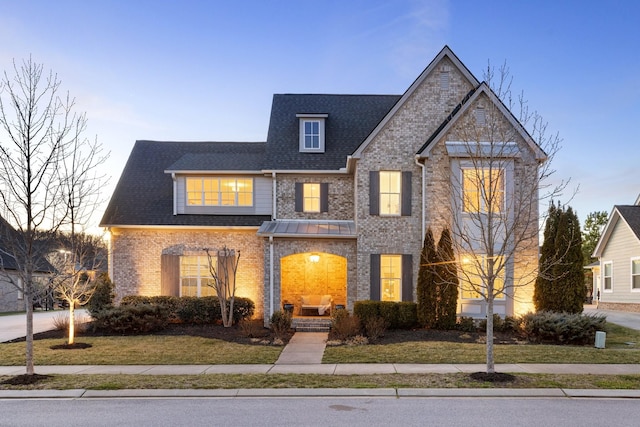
{"points": [[216, 191], [607, 276], [473, 277], [390, 192], [311, 197], [312, 132], [195, 278], [391, 277], [482, 190], [635, 274]]}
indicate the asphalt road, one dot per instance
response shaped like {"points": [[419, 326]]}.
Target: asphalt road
{"points": [[323, 412]]}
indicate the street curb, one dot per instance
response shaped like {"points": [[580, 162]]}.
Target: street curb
{"points": [[320, 392]]}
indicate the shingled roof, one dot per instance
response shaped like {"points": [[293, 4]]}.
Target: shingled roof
{"points": [[631, 215], [144, 194], [351, 118]]}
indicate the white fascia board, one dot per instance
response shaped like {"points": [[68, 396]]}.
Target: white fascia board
{"points": [[341, 171], [482, 149], [311, 116], [614, 216], [214, 172], [181, 227]]}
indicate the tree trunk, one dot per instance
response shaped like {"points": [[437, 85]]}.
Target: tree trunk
{"points": [[72, 322], [28, 296], [490, 362]]}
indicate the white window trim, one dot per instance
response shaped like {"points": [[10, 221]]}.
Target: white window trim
{"points": [[483, 208], [219, 205], [380, 210], [631, 274], [502, 297], [603, 283], [320, 118], [394, 279], [306, 197], [200, 278]]}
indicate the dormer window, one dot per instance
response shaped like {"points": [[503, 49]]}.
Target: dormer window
{"points": [[312, 132]]}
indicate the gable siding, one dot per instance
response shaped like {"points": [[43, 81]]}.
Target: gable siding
{"points": [[262, 200], [394, 148], [621, 247]]}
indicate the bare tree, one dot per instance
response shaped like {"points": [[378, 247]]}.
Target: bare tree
{"points": [[40, 140], [75, 268], [498, 171], [223, 268]]}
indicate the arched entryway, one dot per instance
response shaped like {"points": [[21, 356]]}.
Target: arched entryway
{"points": [[313, 273]]}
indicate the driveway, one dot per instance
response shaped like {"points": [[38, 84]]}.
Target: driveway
{"points": [[15, 325], [622, 318]]}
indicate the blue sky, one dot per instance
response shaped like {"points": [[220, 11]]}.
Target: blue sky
{"points": [[207, 70]]}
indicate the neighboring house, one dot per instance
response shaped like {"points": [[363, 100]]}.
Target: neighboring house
{"points": [[11, 286], [335, 202], [618, 253]]}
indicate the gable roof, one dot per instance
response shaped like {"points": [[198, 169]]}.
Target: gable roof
{"points": [[351, 118], [460, 109], [144, 193], [629, 214], [445, 52]]}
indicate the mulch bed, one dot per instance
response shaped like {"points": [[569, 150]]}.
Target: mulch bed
{"points": [[24, 379]]}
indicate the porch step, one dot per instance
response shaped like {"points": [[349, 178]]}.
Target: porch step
{"points": [[311, 325]]}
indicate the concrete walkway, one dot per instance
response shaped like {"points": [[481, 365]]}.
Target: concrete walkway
{"points": [[622, 318], [304, 348]]}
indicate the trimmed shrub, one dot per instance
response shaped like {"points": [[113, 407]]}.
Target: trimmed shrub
{"points": [[131, 319], [103, 295], [280, 323], [466, 324], [561, 328], [344, 325], [193, 309], [397, 315], [388, 312], [199, 310], [243, 309], [364, 310], [407, 314]]}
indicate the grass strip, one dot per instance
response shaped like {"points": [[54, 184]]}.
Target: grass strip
{"points": [[256, 381]]}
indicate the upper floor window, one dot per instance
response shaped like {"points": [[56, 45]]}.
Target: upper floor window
{"points": [[312, 197], [212, 191], [311, 201], [482, 190], [390, 193], [474, 274], [635, 273], [312, 132], [391, 277], [390, 190]]}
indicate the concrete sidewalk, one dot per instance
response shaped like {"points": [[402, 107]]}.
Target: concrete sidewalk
{"points": [[328, 369], [14, 326]]}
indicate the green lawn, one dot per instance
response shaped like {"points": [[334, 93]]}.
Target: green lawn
{"points": [[219, 381], [623, 346], [143, 350]]}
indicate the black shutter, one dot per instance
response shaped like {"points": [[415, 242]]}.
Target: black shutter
{"points": [[170, 275], [406, 194], [374, 193], [407, 277], [374, 269], [324, 197], [299, 196]]}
